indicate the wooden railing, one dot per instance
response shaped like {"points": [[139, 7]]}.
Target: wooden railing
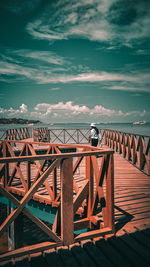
{"points": [[41, 134], [19, 133], [52, 178], [135, 148]]}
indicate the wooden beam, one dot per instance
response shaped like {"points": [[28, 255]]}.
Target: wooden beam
{"points": [[56, 156], [77, 163], [81, 224], [67, 227], [94, 233], [36, 220], [90, 177], [27, 250], [27, 197], [17, 168], [57, 221], [40, 170], [81, 195], [99, 183], [110, 194]]}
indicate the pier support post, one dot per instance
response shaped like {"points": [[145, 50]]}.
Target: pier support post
{"points": [[67, 226], [15, 230]]}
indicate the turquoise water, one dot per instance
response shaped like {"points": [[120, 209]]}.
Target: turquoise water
{"points": [[122, 127], [44, 212]]}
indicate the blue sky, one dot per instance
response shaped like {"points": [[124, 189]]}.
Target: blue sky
{"points": [[75, 61]]}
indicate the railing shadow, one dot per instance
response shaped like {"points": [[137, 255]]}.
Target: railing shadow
{"points": [[126, 250], [122, 219]]}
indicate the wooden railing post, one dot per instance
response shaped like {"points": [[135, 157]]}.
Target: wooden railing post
{"points": [[6, 168], [28, 175], [141, 162], [105, 136], [89, 176], [28, 170], [67, 226], [124, 145], [48, 136], [129, 147], [15, 230], [120, 141], [110, 193], [54, 175], [134, 150]]}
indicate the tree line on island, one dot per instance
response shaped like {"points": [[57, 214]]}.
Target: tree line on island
{"points": [[17, 121]]}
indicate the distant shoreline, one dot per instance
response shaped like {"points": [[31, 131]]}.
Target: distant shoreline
{"points": [[17, 121]]}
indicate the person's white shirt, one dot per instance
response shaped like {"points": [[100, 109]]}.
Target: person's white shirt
{"points": [[94, 134]]}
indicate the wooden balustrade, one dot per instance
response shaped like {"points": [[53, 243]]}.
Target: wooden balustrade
{"points": [[41, 134], [18, 133], [135, 148], [52, 178]]}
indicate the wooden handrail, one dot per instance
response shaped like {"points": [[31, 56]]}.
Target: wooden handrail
{"points": [[55, 170], [135, 150]]}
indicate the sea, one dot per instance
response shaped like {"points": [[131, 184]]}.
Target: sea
{"points": [[138, 129]]}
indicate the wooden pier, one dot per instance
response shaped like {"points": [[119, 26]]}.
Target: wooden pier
{"points": [[110, 197]]}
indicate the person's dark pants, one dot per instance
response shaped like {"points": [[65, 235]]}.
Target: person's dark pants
{"points": [[94, 142]]}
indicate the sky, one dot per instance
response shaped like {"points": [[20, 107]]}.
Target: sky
{"points": [[75, 61]]}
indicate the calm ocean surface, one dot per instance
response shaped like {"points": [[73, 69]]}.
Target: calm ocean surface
{"points": [[122, 127]]}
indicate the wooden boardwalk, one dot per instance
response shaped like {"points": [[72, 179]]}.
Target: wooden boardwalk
{"points": [[131, 244], [132, 197]]}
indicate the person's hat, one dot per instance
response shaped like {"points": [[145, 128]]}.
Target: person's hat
{"points": [[93, 124]]}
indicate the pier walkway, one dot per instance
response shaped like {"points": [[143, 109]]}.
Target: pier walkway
{"points": [[130, 244]]}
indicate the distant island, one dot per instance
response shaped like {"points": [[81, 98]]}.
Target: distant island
{"points": [[17, 121]]}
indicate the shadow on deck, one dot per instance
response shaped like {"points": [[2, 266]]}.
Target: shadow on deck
{"points": [[127, 250]]}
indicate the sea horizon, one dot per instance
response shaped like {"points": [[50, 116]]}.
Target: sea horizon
{"points": [[127, 127]]}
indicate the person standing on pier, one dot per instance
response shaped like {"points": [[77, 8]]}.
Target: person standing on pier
{"points": [[95, 136]]}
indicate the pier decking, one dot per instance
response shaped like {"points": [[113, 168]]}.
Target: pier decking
{"points": [[129, 246]]}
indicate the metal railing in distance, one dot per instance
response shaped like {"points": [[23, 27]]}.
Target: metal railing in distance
{"points": [[63, 136]]}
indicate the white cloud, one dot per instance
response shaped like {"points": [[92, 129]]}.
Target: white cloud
{"points": [[94, 20], [38, 31], [21, 111], [128, 88], [137, 81], [15, 69], [136, 113], [61, 106], [23, 108], [64, 112], [45, 56]]}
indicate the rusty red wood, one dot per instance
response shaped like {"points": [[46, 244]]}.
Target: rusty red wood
{"points": [[133, 147], [67, 227], [47, 175]]}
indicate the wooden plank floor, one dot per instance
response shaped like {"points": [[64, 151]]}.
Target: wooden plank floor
{"points": [[132, 196], [131, 244], [131, 192]]}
